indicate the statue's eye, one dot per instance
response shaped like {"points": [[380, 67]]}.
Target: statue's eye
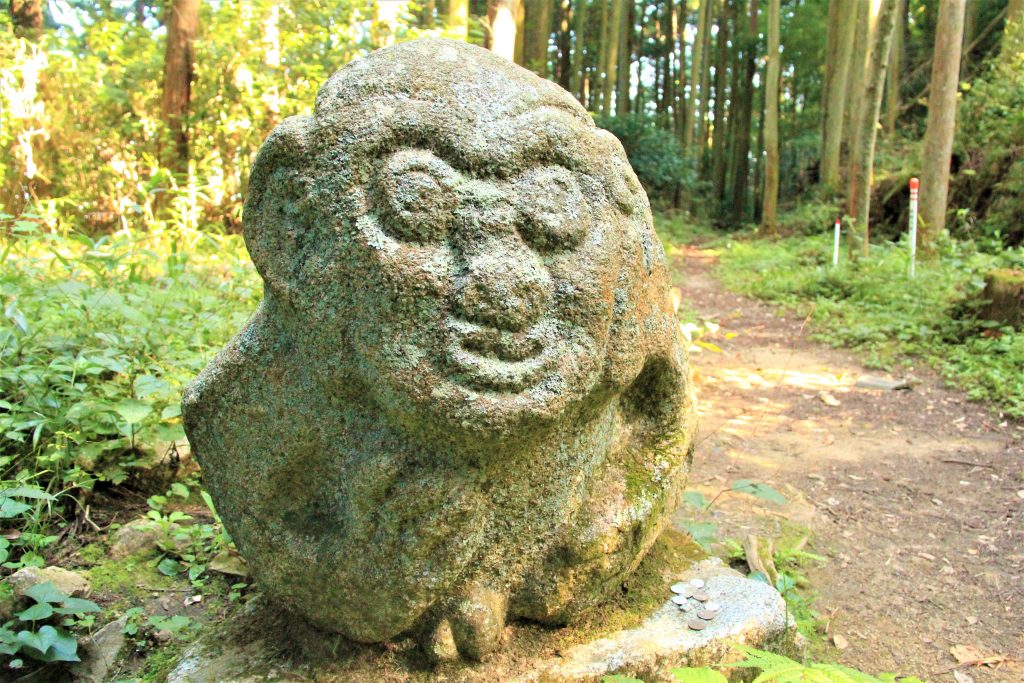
{"points": [[416, 192], [553, 210]]}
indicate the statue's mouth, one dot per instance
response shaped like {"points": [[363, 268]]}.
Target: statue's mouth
{"points": [[497, 360]]}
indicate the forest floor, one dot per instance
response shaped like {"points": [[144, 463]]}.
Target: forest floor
{"points": [[914, 497]]}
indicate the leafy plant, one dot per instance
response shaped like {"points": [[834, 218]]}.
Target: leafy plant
{"points": [[100, 337], [43, 641], [777, 669]]}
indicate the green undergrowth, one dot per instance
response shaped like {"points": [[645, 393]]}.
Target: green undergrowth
{"points": [[97, 339], [873, 306], [772, 667]]}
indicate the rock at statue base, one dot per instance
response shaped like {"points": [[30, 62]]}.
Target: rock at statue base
{"points": [[750, 613], [464, 399]]}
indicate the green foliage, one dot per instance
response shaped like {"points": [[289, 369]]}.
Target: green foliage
{"points": [[42, 641], [774, 668], [872, 305], [100, 337], [990, 181], [654, 153], [759, 490]]}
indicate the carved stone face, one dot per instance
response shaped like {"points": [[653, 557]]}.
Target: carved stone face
{"points": [[464, 396], [486, 238]]}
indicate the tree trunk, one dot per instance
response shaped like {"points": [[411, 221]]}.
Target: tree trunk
{"points": [[697, 72], [838, 87], [579, 23], [458, 19], [771, 125], [892, 91], [664, 40], [704, 111], [179, 70], [863, 155], [625, 57], [938, 137], [27, 15], [501, 17], [564, 64], [681, 116], [719, 137], [538, 33], [867, 13], [519, 53], [741, 131], [602, 59], [612, 56]]}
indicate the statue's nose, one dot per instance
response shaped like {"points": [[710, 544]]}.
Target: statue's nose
{"points": [[505, 285]]}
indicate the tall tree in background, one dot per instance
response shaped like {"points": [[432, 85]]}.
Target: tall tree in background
{"points": [[720, 140], [579, 25], [538, 33], [501, 18], [892, 88], [179, 70], [771, 123], [458, 19], [744, 116], [27, 15], [862, 156], [622, 71], [842, 37], [938, 137], [867, 14], [611, 55], [697, 72]]}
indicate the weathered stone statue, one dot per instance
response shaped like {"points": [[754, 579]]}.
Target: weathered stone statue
{"points": [[464, 397]]}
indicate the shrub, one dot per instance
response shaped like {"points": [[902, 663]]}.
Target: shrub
{"points": [[655, 154]]}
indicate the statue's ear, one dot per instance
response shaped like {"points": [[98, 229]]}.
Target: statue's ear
{"points": [[278, 225]]}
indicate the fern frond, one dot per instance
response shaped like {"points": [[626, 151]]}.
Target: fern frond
{"points": [[761, 659], [841, 674]]}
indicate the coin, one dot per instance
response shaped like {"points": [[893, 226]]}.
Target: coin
{"points": [[679, 599], [700, 596], [696, 624], [712, 606], [697, 583], [679, 588], [706, 615], [685, 606]]}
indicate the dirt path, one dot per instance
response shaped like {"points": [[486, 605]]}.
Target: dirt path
{"points": [[915, 497]]}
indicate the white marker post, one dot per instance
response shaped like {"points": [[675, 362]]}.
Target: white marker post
{"points": [[835, 245], [915, 184]]}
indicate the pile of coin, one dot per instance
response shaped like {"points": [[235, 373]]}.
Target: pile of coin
{"points": [[703, 609]]}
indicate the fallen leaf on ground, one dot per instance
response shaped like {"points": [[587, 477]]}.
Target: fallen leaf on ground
{"points": [[968, 654]]}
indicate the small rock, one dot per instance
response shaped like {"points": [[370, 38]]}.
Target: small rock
{"points": [[99, 652], [67, 582], [881, 383], [226, 563], [841, 643], [829, 400], [137, 536]]}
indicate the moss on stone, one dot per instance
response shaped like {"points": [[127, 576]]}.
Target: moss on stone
{"points": [[92, 554], [129, 580]]}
